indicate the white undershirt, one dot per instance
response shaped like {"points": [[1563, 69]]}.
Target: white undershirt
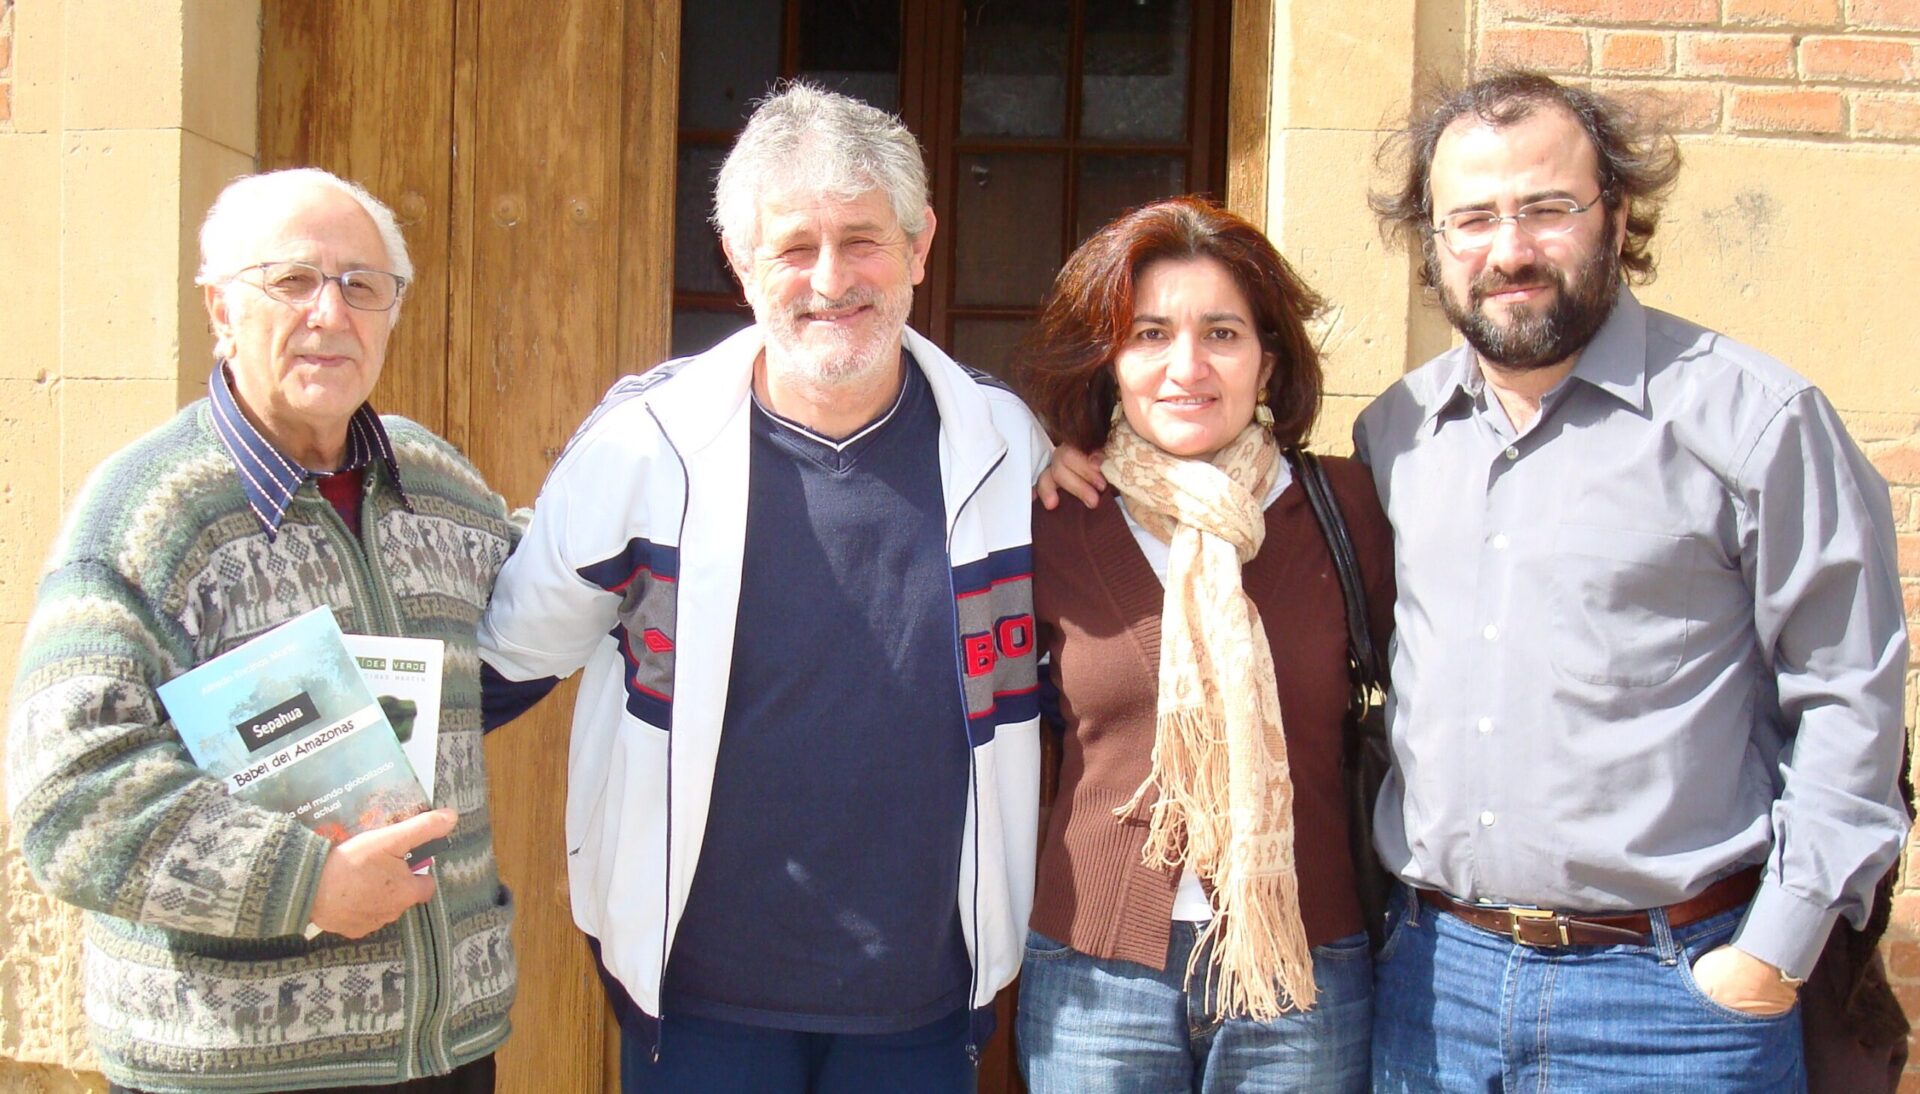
{"points": [[1190, 904]]}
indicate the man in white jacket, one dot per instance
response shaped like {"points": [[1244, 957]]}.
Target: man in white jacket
{"points": [[796, 571]]}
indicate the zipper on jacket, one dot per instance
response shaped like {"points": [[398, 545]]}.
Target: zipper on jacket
{"points": [[973, 769], [666, 858], [430, 990], [383, 617]]}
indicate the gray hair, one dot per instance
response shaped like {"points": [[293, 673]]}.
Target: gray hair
{"points": [[829, 143], [231, 225]]}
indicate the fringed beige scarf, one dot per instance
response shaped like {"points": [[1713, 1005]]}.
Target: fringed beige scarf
{"points": [[1220, 792]]}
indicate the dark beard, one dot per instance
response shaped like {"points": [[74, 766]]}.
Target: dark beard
{"points": [[1537, 339]]}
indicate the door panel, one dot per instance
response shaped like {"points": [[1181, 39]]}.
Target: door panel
{"points": [[545, 228], [331, 88], [1009, 221], [1128, 101], [1014, 70], [543, 171], [540, 253], [1133, 72]]}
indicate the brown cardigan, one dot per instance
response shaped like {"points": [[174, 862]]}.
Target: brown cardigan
{"points": [[1098, 605]]}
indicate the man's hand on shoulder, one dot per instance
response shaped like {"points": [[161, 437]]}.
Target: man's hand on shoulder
{"points": [[1735, 978], [365, 883], [1071, 471]]}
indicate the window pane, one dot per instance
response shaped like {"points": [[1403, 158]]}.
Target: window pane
{"points": [[1007, 221], [730, 55], [853, 47], [987, 343], [699, 265], [699, 331], [1134, 71], [1110, 185], [1014, 81]]}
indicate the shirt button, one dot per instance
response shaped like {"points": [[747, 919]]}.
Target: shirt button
{"points": [[1490, 632], [1500, 541], [1486, 819], [1512, 453], [1486, 725]]}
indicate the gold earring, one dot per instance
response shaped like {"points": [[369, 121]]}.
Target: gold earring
{"points": [[1262, 413]]}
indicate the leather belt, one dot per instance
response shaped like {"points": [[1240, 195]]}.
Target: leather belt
{"points": [[1545, 927]]}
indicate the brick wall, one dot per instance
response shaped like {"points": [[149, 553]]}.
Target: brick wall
{"points": [[1837, 72], [1827, 70]]}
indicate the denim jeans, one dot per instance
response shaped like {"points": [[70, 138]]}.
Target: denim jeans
{"points": [[1462, 1009], [1088, 1024]]}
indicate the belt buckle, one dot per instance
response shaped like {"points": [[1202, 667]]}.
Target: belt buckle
{"points": [[1525, 918]]}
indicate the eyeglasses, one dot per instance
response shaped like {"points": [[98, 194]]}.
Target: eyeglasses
{"points": [[299, 283], [1474, 229]]}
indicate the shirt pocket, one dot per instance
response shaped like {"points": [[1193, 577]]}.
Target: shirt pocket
{"points": [[1622, 604]]}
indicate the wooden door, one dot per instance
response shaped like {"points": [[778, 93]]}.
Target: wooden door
{"points": [[518, 140]]}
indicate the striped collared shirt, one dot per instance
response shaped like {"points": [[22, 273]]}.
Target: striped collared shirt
{"points": [[268, 478]]}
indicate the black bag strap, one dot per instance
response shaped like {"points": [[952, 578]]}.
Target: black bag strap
{"points": [[1312, 477]]}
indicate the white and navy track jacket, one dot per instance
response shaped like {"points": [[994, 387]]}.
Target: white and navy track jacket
{"points": [[631, 570]]}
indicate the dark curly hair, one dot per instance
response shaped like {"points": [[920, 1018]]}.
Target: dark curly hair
{"points": [[1638, 158], [1064, 365]]}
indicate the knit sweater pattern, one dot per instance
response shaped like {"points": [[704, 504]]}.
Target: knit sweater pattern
{"points": [[197, 974]]}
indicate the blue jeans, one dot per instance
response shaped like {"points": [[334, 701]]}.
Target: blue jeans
{"points": [[1464, 1009], [714, 1057], [1088, 1024]]}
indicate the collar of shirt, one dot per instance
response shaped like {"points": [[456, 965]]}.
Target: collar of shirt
{"points": [[268, 479], [1614, 362], [911, 381]]}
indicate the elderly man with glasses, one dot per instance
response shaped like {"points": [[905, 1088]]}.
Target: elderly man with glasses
{"points": [[229, 947]]}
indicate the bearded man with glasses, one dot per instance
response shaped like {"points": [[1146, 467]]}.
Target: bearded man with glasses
{"points": [[1649, 652], [229, 947]]}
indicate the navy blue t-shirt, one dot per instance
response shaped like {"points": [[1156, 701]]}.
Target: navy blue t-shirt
{"points": [[827, 892]]}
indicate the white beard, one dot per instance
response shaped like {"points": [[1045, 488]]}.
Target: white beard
{"points": [[842, 359]]}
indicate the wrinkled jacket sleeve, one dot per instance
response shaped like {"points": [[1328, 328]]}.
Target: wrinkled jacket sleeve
{"points": [[552, 605], [1040, 454], [109, 810]]}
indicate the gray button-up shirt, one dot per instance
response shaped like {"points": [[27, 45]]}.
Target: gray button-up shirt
{"points": [[1653, 638]]}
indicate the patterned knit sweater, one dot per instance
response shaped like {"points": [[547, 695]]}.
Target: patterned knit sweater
{"points": [[197, 974]]}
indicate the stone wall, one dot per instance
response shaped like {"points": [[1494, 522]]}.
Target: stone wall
{"points": [[119, 121]]}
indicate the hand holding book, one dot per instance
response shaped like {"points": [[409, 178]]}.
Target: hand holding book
{"points": [[366, 882], [288, 722]]}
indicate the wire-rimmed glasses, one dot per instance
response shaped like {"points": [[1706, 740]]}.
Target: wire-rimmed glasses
{"points": [[300, 283], [1473, 229]]}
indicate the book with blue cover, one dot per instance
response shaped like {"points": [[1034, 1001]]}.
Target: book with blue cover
{"points": [[288, 722]]}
